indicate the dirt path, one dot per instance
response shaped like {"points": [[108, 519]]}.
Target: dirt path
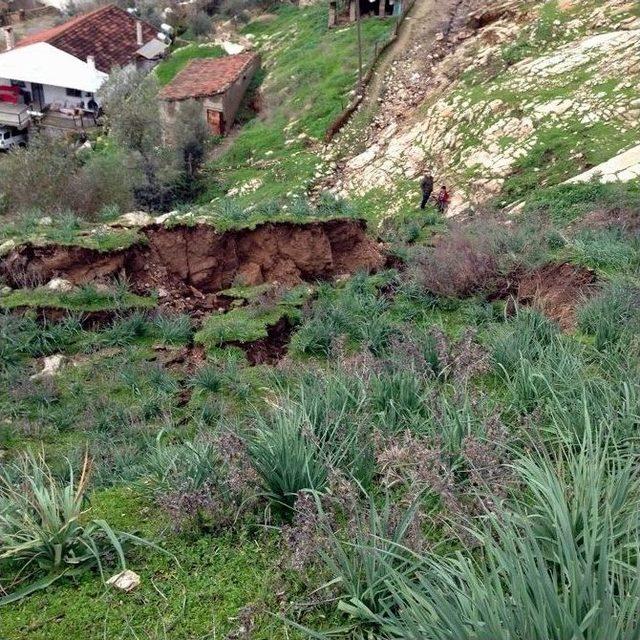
{"points": [[402, 80], [423, 12]]}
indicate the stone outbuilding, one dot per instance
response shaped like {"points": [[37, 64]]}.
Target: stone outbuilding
{"points": [[217, 84]]}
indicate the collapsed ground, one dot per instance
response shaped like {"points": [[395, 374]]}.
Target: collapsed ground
{"points": [[318, 422]]}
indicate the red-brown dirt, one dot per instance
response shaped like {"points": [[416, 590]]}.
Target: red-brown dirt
{"points": [[188, 265], [556, 290]]}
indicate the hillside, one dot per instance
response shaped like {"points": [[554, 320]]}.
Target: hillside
{"points": [[534, 97], [296, 405]]}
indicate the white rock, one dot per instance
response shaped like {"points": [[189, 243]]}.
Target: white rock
{"points": [[134, 219], [6, 247], [46, 220], [50, 366], [125, 581], [59, 284]]}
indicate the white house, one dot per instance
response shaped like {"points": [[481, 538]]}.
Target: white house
{"points": [[58, 71]]}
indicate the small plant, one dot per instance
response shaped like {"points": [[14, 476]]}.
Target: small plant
{"points": [[286, 457], [173, 329], [615, 311], [208, 378], [44, 534]]}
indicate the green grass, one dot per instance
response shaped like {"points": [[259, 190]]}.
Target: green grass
{"points": [[195, 594], [244, 325], [310, 72], [179, 58], [85, 299]]}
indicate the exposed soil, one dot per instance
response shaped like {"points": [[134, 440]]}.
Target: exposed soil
{"points": [[556, 290], [188, 266], [271, 349]]}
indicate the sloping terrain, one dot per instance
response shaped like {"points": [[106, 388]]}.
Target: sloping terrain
{"points": [[531, 96], [282, 414]]}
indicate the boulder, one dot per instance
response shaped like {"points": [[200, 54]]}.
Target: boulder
{"points": [[60, 285]]}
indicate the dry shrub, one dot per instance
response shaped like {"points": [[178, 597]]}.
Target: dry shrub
{"points": [[459, 265]]}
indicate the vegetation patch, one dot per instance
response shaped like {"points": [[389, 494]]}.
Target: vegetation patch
{"points": [[86, 298], [179, 58]]}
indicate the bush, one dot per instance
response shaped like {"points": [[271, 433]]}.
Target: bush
{"points": [[562, 559], [43, 532], [200, 23], [461, 264]]}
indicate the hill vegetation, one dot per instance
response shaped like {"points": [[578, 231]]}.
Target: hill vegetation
{"points": [[429, 432]]}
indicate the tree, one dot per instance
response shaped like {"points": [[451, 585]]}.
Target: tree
{"points": [[130, 101]]}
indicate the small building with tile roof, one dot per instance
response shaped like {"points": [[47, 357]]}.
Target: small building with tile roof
{"points": [[61, 68], [216, 84]]}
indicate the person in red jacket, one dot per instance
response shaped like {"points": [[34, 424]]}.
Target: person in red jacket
{"points": [[443, 199]]}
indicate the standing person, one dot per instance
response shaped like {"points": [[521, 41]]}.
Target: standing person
{"points": [[443, 199], [427, 188]]}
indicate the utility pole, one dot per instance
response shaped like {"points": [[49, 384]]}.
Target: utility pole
{"points": [[359, 31]]}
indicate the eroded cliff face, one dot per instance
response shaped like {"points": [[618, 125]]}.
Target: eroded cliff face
{"points": [[202, 260]]}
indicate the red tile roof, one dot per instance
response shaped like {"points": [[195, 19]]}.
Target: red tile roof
{"points": [[108, 34], [207, 76]]}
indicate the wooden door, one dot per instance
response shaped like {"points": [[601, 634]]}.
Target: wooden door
{"points": [[215, 120]]}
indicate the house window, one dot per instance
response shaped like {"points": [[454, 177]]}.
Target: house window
{"points": [[74, 93], [18, 83]]}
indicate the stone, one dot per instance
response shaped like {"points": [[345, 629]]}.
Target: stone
{"points": [[126, 581], [60, 285], [134, 219], [50, 366], [46, 220], [5, 290], [6, 247]]}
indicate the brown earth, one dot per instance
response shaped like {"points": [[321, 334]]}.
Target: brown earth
{"points": [[187, 266], [556, 290], [271, 349]]}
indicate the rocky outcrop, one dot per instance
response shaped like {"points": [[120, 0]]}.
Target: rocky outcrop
{"points": [[621, 168], [482, 117]]}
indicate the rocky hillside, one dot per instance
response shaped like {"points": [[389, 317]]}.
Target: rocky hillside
{"points": [[533, 94]]}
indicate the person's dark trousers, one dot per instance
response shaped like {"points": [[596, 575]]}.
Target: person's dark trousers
{"points": [[425, 198]]}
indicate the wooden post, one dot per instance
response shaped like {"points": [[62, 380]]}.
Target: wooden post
{"points": [[333, 13], [381, 8], [354, 6], [359, 30]]}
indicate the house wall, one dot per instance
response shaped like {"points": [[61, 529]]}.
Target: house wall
{"points": [[55, 96], [227, 103], [233, 96]]}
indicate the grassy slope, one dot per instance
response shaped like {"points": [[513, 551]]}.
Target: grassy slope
{"points": [[311, 71], [118, 401]]}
